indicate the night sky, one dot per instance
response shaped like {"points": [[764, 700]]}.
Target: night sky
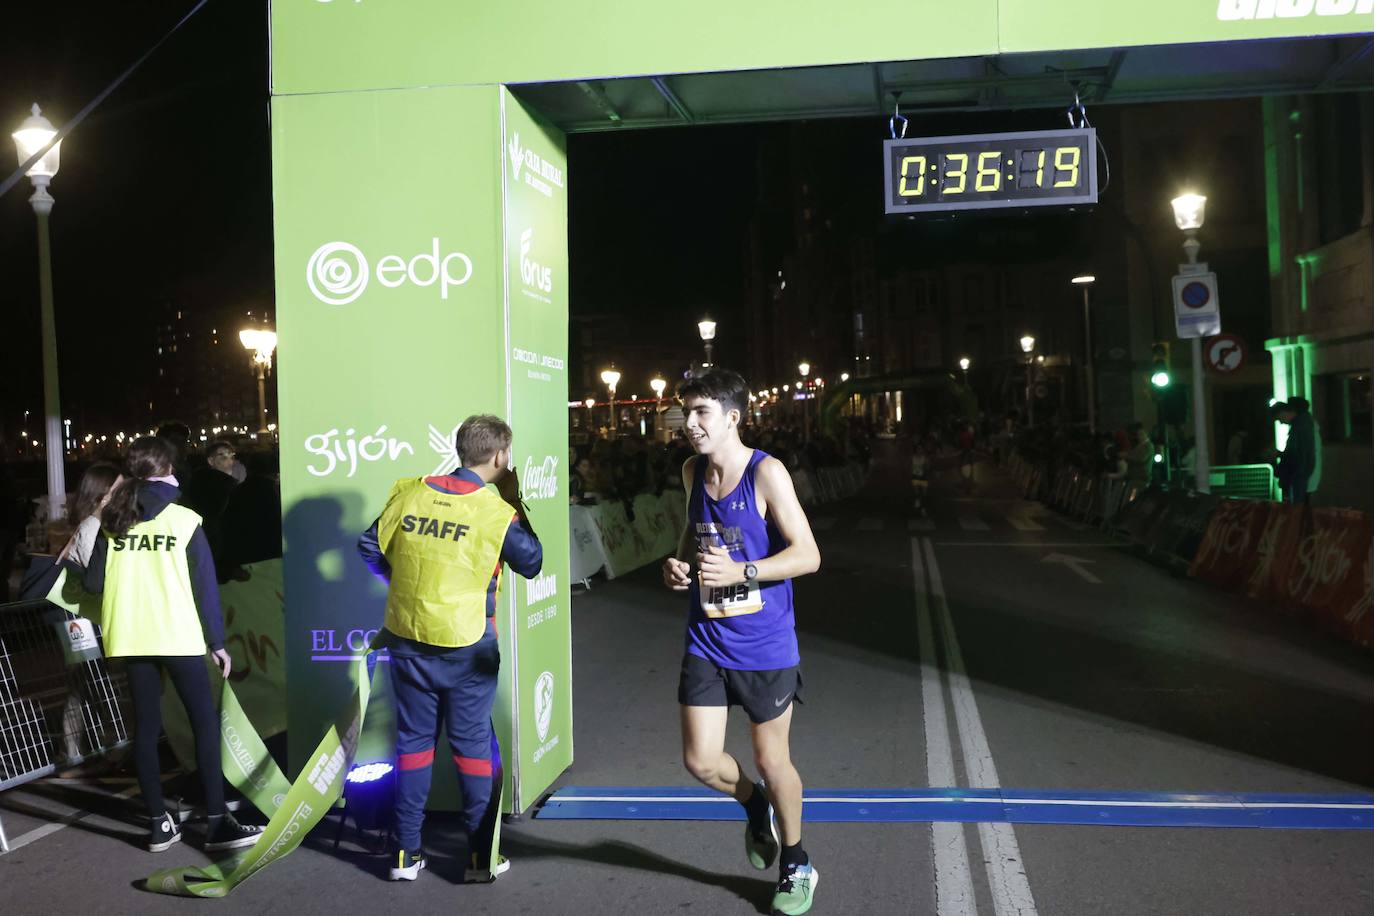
{"points": [[163, 193]]}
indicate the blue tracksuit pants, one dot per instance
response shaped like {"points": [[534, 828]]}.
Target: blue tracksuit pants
{"points": [[455, 690]]}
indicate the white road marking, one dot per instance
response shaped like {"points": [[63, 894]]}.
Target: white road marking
{"points": [[1036, 544], [1024, 523], [38, 833], [998, 800], [953, 877], [972, 523], [1074, 563], [1011, 893], [869, 524]]}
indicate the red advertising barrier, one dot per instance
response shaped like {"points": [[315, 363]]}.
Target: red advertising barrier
{"points": [[1326, 573], [1310, 562], [1230, 549]]}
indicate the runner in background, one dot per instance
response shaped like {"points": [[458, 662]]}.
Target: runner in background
{"points": [[746, 539], [440, 544], [159, 612]]}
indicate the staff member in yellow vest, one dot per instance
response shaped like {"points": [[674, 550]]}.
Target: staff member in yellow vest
{"points": [[160, 612], [440, 544]]}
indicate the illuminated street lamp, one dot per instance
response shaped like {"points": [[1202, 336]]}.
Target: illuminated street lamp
{"points": [[844, 376], [659, 385], [1027, 347], [1086, 281], [33, 135], [611, 378], [707, 328], [804, 368], [261, 343], [964, 364], [1190, 212]]}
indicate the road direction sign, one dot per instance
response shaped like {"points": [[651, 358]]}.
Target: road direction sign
{"points": [[1225, 354]]}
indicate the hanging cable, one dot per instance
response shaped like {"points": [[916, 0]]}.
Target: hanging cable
{"points": [[71, 125], [897, 118]]}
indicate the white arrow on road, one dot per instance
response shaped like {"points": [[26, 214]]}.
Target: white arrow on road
{"points": [[1074, 563]]}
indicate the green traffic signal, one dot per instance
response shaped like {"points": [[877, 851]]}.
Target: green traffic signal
{"points": [[1160, 376]]}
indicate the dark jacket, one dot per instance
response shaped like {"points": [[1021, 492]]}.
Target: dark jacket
{"points": [[153, 497], [1299, 457]]}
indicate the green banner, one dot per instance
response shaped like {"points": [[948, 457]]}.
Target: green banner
{"points": [[536, 250], [391, 320], [372, 44], [322, 46], [295, 810], [1042, 25]]}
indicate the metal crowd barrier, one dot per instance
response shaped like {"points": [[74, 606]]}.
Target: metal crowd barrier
{"points": [[52, 713]]}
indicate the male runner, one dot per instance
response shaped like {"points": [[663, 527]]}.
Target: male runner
{"points": [[748, 537]]}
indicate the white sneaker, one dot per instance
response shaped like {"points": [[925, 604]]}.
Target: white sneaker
{"points": [[479, 874]]}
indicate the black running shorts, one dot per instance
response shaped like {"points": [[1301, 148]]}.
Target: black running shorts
{"points": [[763, 695]]}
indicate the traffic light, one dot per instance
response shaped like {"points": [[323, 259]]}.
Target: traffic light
{"points": [[1161, 373]]}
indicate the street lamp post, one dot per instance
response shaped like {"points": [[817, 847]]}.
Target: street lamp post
{"points": [[35, 133], [964, 364], [261, 343], [611, 377], [1028, 347], [1190, 211], [659, 385], [591, 416], [804, 368], [1086, 281], [707, 328]]}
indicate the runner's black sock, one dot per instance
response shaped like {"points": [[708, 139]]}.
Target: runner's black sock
{"points": [[792, 856], [757, 807]]}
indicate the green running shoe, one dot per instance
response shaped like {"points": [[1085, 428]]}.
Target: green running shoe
{"points": [[761, 845], [796, 890]]}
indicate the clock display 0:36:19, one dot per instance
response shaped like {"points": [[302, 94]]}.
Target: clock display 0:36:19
{"points": [[930, 172]]}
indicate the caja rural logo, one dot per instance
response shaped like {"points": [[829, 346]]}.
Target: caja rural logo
{"points": [[338, 272], [1233, 10]]}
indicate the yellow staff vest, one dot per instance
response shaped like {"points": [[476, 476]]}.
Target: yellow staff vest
{"points": [[443, 549], [148, 607]]}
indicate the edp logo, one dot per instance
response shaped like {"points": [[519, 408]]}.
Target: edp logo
{"points": [[338, 272]]}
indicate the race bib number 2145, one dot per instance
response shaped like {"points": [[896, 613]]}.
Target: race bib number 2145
{"points": [[731, 600]]}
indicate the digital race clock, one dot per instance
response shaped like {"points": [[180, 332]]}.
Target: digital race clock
{"points": [[1039, 168]]}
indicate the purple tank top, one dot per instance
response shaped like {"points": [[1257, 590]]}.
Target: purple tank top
{"points": [[739, 628]]}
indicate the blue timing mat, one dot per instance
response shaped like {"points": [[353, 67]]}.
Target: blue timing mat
{"points": [[1013, 806]]}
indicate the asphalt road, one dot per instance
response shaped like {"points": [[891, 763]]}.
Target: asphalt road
{"points": [[991, 645]]}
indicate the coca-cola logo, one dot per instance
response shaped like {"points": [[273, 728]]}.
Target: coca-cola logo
{"points": [[540, 480]]}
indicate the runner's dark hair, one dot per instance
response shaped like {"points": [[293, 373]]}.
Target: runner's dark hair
{"points": [[147, 456], [724, 386]]}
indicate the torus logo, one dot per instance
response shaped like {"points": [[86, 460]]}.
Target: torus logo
{"points": [[338, 272], [1233, 10], [534, 275], [543, 705]]}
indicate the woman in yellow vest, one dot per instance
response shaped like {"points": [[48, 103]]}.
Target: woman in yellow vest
{"points": [[160, 612]]}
